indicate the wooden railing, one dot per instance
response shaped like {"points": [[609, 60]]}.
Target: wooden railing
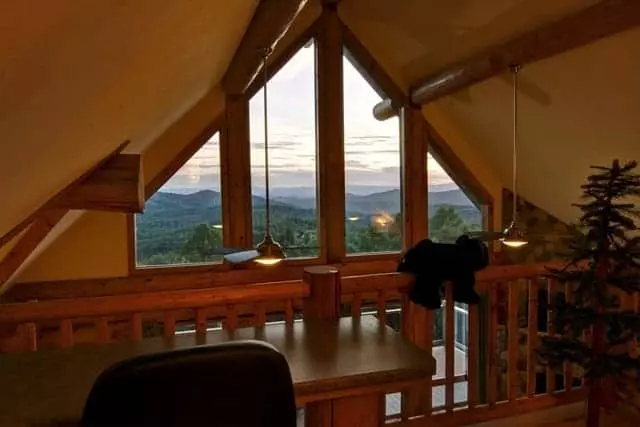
{"points": [[486, 364]]}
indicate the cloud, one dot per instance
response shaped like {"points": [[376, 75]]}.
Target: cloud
{"points": [[372, 148]]}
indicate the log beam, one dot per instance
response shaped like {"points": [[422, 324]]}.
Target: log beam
{"points": [[116, 186], [52, 203], [269, 24], [331, 180], [603, 19], [29, 241], [103, 186]]}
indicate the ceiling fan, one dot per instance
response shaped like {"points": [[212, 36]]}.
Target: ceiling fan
{"points": [[511, 236], [267, 252]]}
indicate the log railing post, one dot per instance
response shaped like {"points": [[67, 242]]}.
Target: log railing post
{"points": [[323, 303], [324, 293], [417, 322]]}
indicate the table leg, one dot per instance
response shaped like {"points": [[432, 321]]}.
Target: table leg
{"points": [[359, 411], [355, 411]]}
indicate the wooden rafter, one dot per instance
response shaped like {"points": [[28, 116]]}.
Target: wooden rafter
{"points": [[269, 24], [116, 186], [604, 19], [371, 69], [114, 183], [34, 235], [53, 202]]}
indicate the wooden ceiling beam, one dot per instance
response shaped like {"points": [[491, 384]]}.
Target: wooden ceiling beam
{"points": [[603, 19], [117, 186], [29, 241], [113, 184], [52, 202], [271, 21]]}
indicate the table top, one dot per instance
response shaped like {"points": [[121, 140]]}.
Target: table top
{"points": [[325, 357]]}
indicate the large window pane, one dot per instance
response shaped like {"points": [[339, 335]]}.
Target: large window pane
{"points": [[182, 222], [372, 170], [292, 157]]}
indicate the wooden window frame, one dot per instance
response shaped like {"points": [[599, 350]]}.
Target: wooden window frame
{"points": [[382, 83]]}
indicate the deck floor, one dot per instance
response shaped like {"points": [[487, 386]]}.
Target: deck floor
{"points": [[459, 389]]}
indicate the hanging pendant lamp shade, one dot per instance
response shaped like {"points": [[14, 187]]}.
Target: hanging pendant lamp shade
{"points": [[269, 251], [513, 236]]}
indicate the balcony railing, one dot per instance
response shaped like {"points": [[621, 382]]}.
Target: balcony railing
{"points": [[485, 355]]}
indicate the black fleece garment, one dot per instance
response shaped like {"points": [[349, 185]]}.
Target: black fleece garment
{"points": [[432, 264]]}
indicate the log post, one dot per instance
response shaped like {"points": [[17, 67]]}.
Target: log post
{"points": [[323, 302]]}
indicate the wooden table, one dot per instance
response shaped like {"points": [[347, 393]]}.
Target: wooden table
{"points": [[348, 364]]}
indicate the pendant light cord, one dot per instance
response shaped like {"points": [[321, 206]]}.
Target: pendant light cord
{"points": [[515, 69], [267, 52]]}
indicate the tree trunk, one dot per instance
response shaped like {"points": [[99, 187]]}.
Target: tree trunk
{"points": [[595, 398]]}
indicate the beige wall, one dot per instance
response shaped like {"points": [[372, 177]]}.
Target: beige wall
{"points": [[97, 244], [80, 78], [469, 155]]}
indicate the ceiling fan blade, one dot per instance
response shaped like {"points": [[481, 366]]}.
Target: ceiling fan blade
{"points": [[241, 257], [227, 251], [486, 236]]}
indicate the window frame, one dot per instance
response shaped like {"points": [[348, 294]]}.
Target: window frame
{"points": [[154, 185], [374, 74]]}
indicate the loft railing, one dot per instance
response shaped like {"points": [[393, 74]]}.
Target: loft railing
{"points": [[485, 354]]}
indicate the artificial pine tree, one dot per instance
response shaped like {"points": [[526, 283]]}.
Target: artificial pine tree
{"points": [[603, 259]]}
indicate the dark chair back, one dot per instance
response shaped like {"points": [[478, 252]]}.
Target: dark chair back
{"points": [[244, 384]]}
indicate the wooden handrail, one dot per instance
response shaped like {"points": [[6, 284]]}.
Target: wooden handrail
{"points": [[150, 301], [195, 298], [401, 281]]}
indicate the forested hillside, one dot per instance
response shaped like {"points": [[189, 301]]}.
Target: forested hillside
{"points": [[178, 228]]}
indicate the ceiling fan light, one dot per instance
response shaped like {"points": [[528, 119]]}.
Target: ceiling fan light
{"points": [[513, 236], [270, 252]]}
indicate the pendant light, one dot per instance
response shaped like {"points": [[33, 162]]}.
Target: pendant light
{"points": [[269, 251], [513, 236]]}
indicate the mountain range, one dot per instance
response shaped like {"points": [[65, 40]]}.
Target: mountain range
{"points": [[197, 207]]}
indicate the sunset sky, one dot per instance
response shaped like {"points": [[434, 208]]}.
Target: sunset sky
{"points": [[371, 147]]}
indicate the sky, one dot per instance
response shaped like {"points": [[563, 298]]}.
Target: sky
{"points": [[372, 147]]}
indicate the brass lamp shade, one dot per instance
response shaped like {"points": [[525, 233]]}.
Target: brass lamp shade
{"points": [[513, 236], [270, 252]]}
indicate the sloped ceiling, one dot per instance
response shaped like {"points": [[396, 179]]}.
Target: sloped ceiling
{"points": [[79, 77], [576, 109]]}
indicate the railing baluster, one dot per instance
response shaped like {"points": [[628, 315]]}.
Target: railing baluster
{"points": [[356, 305], [382, 306], [232, 317], [261, 314], [288, 311], [136, 327], [102, 330], [532, 336], [29, 336], [492, 347], [551, 375], [472, 356], [201, 321], [568, 367], [169, 327], [66, 333], [512, 346], [449, 331]]}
